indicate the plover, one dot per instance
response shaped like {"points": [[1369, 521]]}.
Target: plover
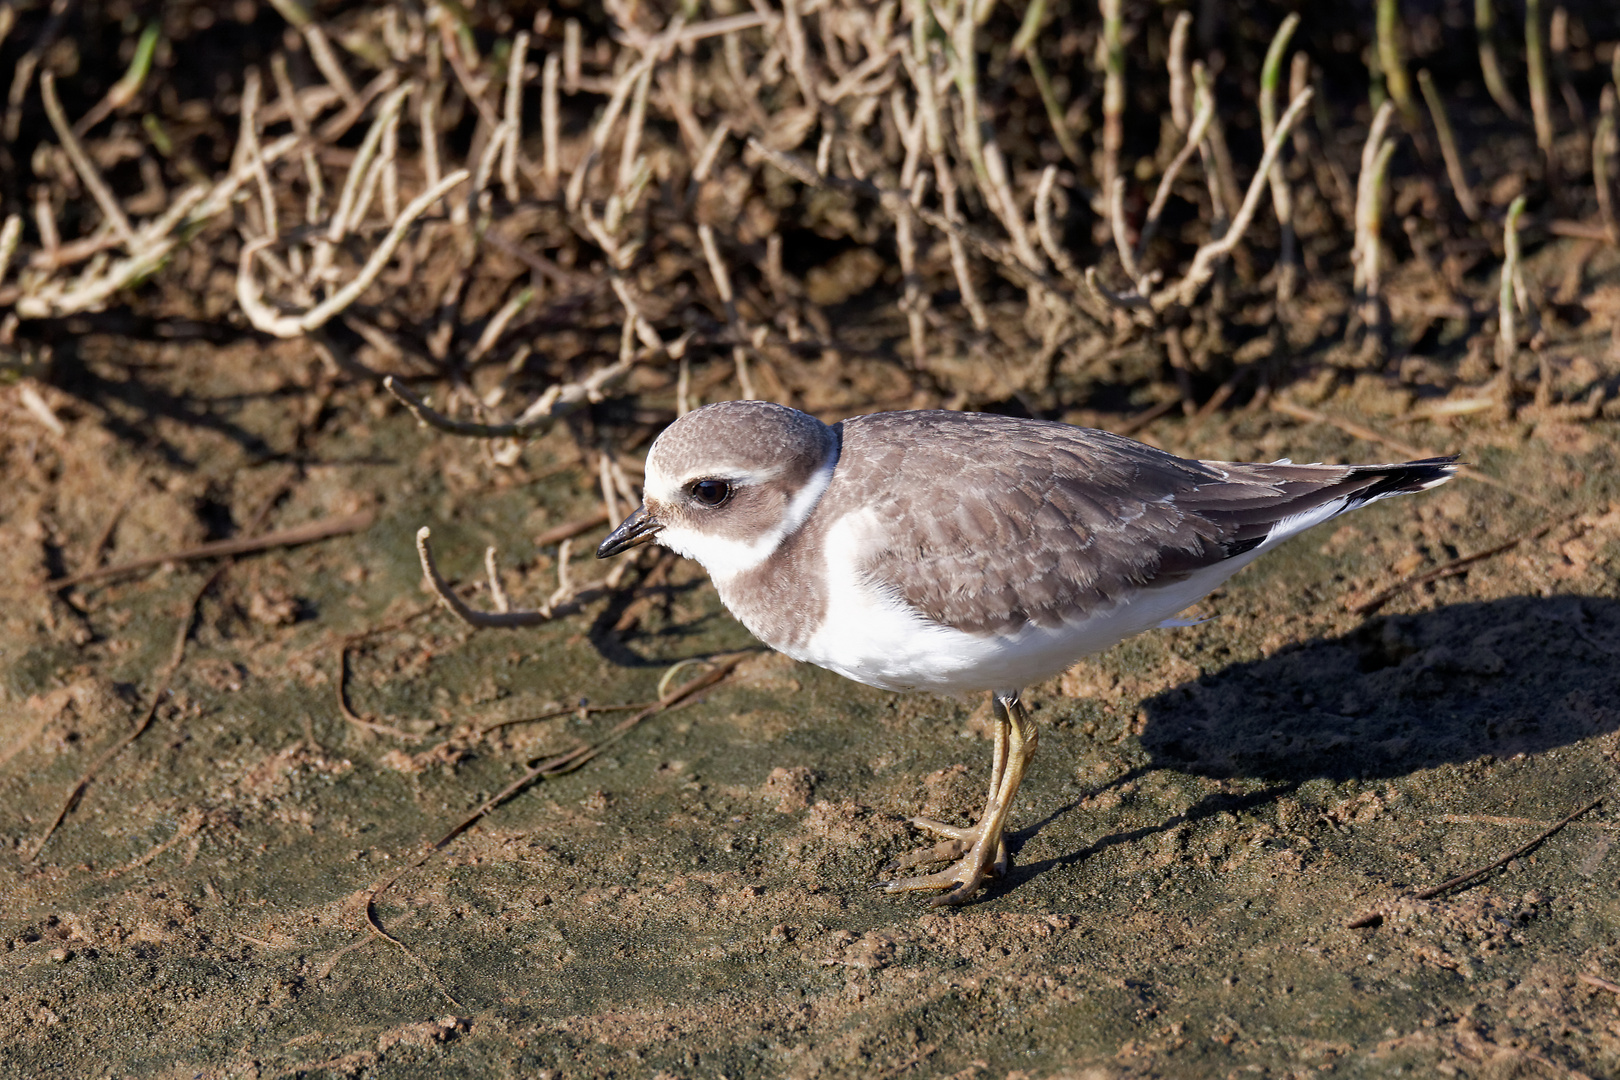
{"points": [[962, 552]]}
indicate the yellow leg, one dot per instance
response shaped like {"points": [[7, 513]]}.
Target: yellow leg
{"points": [[979, 851]]}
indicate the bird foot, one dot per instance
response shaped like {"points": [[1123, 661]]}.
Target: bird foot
{"points": [[976, 858]]}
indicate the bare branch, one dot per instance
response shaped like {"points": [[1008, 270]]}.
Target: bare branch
{"points": [[1195, 138], [9, 235], [81, 161], [1180, 83], [1203, 264], [1116, 222], [557, 401], [289, 326], [458, 607]]}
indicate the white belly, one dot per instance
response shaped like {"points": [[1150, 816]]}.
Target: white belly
{"points": [[873, 638]]}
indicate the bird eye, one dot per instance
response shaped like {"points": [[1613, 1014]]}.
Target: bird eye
{"points": [[710, 492]]}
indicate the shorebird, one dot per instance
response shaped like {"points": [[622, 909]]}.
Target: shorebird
{"points": [[962, 552]]}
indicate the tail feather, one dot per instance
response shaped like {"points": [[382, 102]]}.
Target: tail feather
{"points": [[1270, 503], [1404, 478]]}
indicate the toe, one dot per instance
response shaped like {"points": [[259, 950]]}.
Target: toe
{"points": [[949, 878], [939, 828], [959, 895], [944, 851]]}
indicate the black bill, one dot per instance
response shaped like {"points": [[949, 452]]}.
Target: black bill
{"points": [[638, 528]]}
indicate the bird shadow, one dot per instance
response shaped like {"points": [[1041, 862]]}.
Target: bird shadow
{"points": [[1397, 695]]}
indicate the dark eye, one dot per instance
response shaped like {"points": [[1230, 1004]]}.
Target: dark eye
{"points": [[710, 492]]}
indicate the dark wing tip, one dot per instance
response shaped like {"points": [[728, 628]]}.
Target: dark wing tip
{"points": [[1406, 477]]}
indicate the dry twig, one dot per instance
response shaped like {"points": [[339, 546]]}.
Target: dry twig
{"points": [[241, 545], [1602, 984], [1375, 917], [1452, 568]]}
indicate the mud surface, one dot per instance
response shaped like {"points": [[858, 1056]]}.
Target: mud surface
{"points": [[1209, 808]]}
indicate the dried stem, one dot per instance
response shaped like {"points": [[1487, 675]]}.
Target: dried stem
{"points": [[1374, 918], [1282, 198], [1507, 329], [1005, 205], [711, 152], [1204, 260], [1048, 234], [558, 400], [345, 218], [1371, 225], [9, 235], [798, 53], [630, 154], [248, 139], [1558, 44], [295, 536], [1535, 61], [289, 326], [965, 68], [571, 50], [1366, 194], [722, 284], [1603, 149], [82, 164], [1181, 110], [154, 244], [1393, 63], [498, 323], [1117, 225], [1214, 175], [604, 128], [1025, 45], [1111, 57], [300, 121], [550, 121], [1219, 158], [1299, 77], [915, 300], [514, 115], [1448, 147], [1495, 83], [459, 608], [953, 239], [1132, 301]]}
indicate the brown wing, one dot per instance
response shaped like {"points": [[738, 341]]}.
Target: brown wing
{"points": [[1011, 521]]}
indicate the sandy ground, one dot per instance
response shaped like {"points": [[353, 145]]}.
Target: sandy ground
{"points": [[1209, 809]]}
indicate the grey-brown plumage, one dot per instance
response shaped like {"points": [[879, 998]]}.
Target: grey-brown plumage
{"points": [[1012, 521]]}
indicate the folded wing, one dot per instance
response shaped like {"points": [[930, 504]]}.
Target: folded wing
{"points": [[1041, 521]]}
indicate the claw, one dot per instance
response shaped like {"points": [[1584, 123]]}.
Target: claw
{"points": [[962, 878], [970, 849]]}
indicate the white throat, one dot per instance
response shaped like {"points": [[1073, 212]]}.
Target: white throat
{"points": [[726, 557]]}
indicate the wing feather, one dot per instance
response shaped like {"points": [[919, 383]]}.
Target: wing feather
{"points": [[989, 523]]}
